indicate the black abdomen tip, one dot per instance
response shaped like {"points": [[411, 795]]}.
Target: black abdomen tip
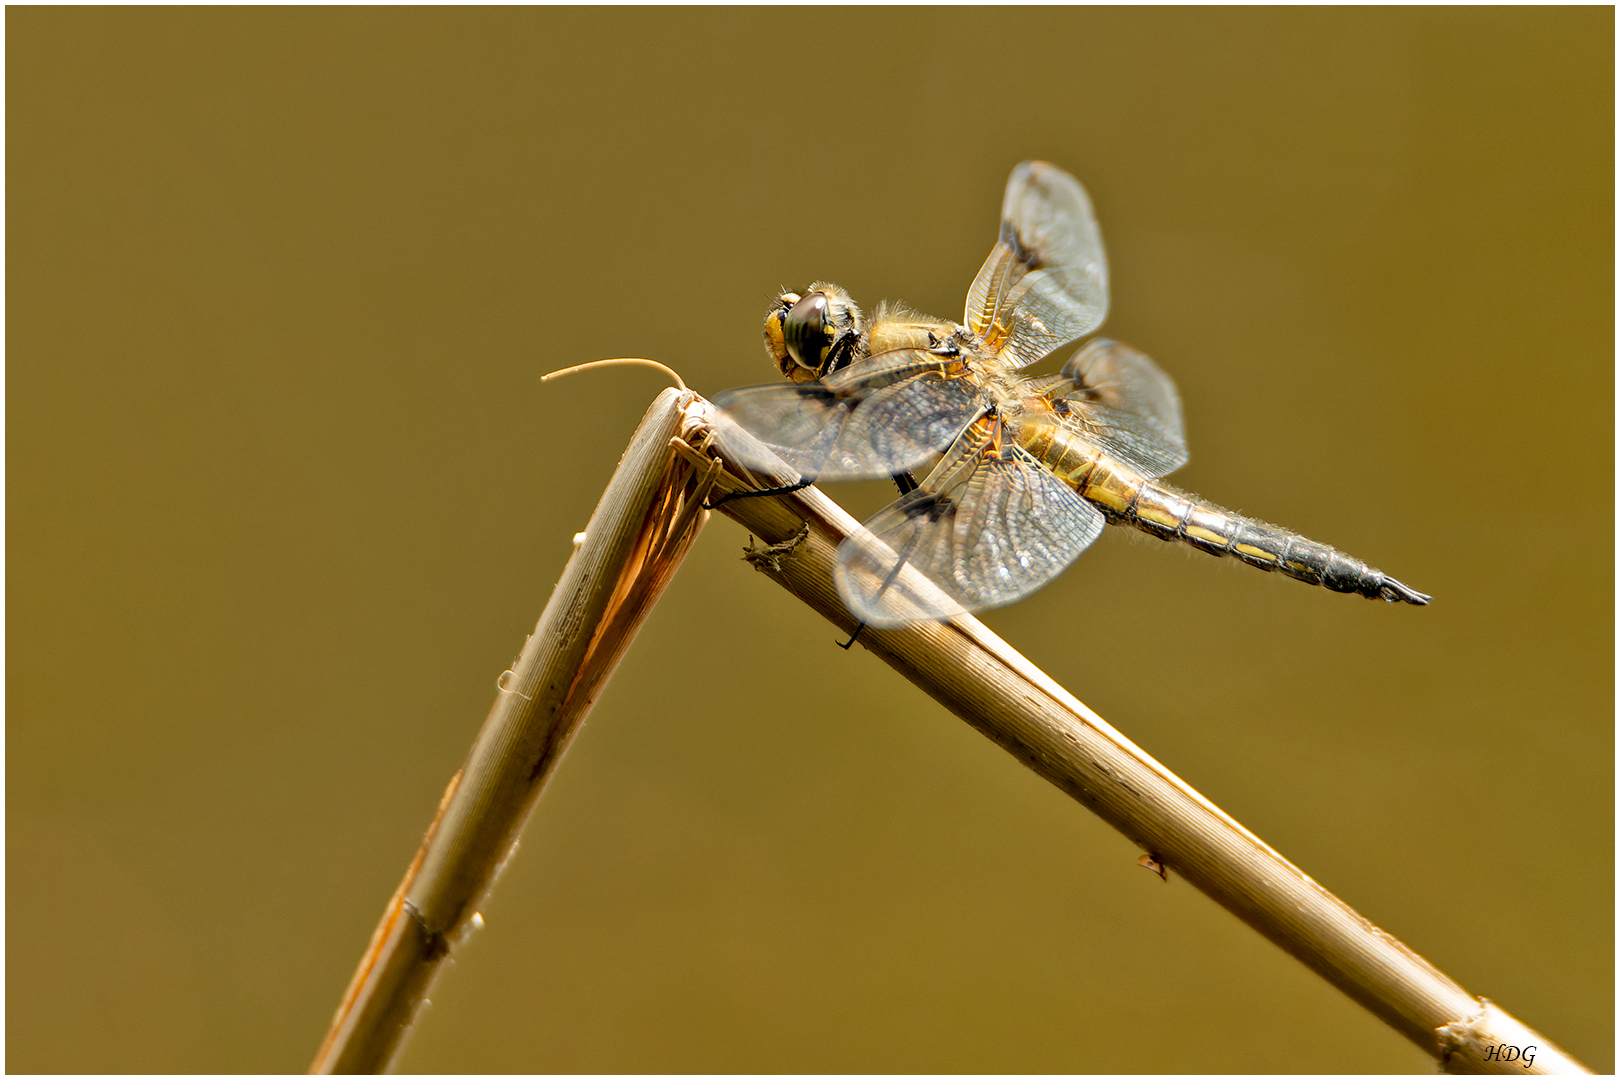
{"points": [[1392, 590]]}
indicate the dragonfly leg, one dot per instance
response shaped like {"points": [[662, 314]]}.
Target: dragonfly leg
{"points": [[803, 483], [888, 580]]}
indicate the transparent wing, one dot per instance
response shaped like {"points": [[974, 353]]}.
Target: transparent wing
{"points": [[989, 526], [1119, 377], [1123, 403], [1046, 281], [878, 417]]}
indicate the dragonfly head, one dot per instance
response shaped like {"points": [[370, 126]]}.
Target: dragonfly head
{"points": [[810, 335]]}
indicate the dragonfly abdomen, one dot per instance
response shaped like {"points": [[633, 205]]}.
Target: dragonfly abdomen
{"points": [[1169, 514], [1126, 497]]}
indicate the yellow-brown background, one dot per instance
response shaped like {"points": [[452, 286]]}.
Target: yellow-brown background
{"points": [[284, 496]]}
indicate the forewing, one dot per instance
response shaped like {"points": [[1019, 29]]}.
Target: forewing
{"points": [[1046, 281], [984, 530], [877, 417], [1124, 404]]}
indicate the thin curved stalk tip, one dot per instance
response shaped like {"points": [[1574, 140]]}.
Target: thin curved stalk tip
{"points": [[617, 361]]}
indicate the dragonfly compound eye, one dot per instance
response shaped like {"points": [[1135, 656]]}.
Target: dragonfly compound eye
{"points": [[813, 334], [805, 332]]}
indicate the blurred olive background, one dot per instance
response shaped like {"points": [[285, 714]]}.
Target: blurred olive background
{"points": [[285, 494]]}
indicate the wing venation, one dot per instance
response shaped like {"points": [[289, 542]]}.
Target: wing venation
{"points": [[1122, 402], [988, 527], [878, 417], [1046, 281]]}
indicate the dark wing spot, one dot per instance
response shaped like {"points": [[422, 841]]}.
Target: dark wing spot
{"points": [[1027, 256]]}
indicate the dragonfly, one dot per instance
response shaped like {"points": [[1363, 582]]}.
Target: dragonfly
{"points": [[1027, 468]]}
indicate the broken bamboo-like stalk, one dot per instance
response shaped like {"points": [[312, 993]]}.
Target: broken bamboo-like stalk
{"points": [[642, 528], [647, 518], [986, 682]]}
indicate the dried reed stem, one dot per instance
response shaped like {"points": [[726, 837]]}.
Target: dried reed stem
{"points": [[983, 680], [647, 518], [642, 528]]}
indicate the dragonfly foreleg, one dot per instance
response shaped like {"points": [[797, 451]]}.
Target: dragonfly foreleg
{"points": [[755, 493]]}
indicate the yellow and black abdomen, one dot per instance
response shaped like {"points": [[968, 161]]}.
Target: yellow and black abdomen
{"points": [[1127, 497]]}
